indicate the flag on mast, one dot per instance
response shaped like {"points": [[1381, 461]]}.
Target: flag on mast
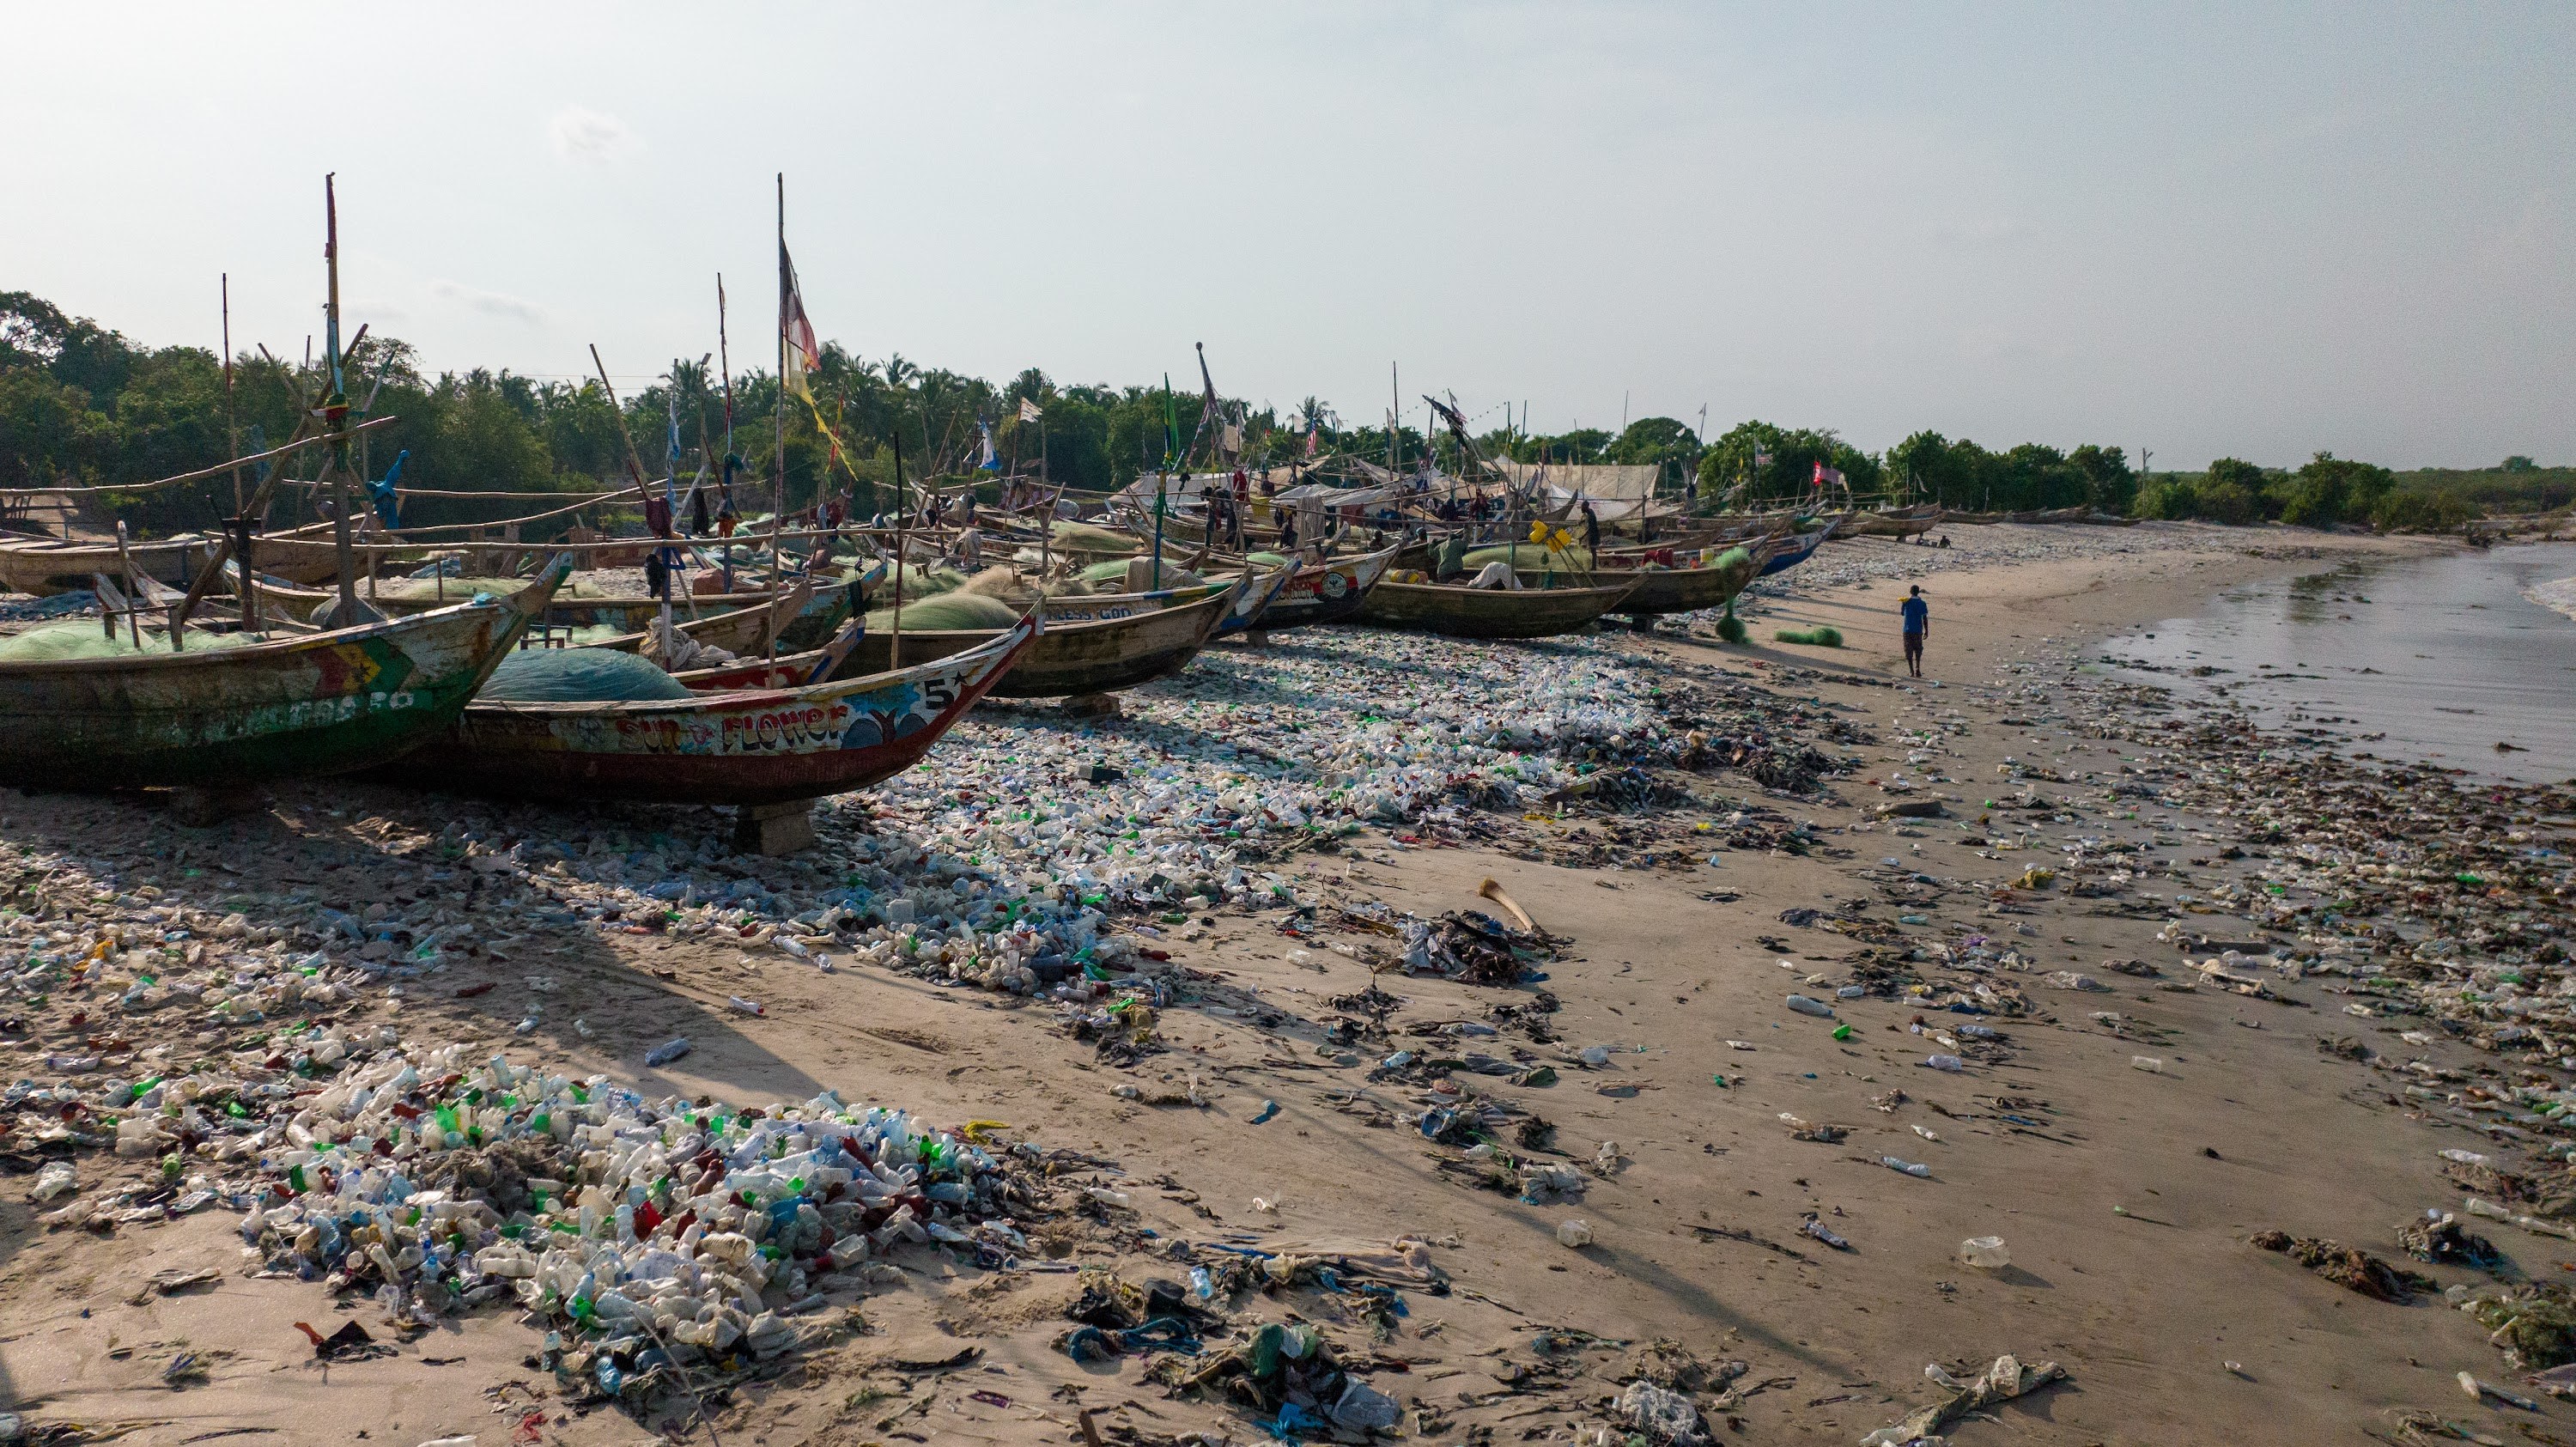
{"points": [[1827, 476], [1029, 410], [803, 353]]}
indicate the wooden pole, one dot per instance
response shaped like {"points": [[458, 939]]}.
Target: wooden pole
{"points": [[335, 410], [902, 520], [634, 459], [778, 485], [232, 424]]}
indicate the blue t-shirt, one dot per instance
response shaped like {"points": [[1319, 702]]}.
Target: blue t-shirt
{"points": [[1917, 615]]}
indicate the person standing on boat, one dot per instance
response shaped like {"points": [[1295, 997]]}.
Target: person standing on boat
{"points": [[1591, 528], [1917, 616]]}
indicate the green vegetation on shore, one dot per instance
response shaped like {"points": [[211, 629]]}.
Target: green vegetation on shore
{"points": [[81, 405]]}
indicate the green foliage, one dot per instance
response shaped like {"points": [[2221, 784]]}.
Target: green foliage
{"points": [[1736, 463], [2409, 511], [2328, 489], [2027, 478]]}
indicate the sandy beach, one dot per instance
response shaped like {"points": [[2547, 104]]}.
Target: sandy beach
{"points": [[2124, 1122]]}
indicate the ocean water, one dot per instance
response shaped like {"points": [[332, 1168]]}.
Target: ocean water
{"points": [[2439, 659]]}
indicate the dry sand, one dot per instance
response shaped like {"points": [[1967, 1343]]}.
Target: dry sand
{"points": [[2125, 1205]]}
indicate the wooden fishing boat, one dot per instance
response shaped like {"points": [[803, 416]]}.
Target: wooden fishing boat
{"points": [[753, 745], [1326, 592], [742, 630], [309, 704], [1895, 523], [45, 566], [1253, 602], [1790, 552], [1076, 658], [1488, 612], [1704, 579]]}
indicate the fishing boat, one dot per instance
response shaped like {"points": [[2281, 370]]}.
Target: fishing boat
{"points": [[728, 745], [740, 630], [1326, 592], [1903, 522], [1488, 612], [294, 706], [1790, 552], [1071, 659], [1689, 580], [44, 566]]}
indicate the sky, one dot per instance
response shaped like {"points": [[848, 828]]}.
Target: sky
{"points": [[2248, 229]]}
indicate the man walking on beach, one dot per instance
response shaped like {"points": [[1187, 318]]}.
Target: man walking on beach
{"points": [[1918, 621]]}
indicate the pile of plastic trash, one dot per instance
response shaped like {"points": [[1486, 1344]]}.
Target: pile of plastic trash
{"points": [[649, 1236]]}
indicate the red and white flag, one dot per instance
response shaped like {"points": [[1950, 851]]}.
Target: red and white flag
{"points": [[1825, 475], [801, 352]]}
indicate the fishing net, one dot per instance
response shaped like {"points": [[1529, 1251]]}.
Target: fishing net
{"points": [[1095, 539], [922, 582], [578, 675], [86, 640], [1268, 560], [1112, 577], [457, 590], [1529, 557], [950, 612]]}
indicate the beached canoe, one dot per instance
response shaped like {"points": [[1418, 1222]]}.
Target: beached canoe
{"points": [[1488, 612], [45, 566], [297, 706], [726, 746], [1790, 552], [1322, 593], [1895, 523], [1687, 587], [1075, 658], [737, 631]]}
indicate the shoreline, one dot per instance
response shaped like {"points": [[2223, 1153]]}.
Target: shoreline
{"points": [[2125, 1196]]}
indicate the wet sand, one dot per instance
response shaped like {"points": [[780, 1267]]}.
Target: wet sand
{"points": [[2125, 1197]]}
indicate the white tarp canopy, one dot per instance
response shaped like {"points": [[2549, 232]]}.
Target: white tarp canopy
{"points": [[1316, 495], [1587, 479]]}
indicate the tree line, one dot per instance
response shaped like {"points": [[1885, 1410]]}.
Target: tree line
{"points": [[82, 405]]}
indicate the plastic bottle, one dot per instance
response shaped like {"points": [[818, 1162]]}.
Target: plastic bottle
{"points": [[1950, 1063], [1805, 1006], [1908, 1167], [667, 1051]]}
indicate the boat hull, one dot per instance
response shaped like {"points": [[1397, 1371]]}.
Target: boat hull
{"points": [[1488, 612], [1328, 593], [1078, 658], [1687, 590], [754, 746], [324, 703]]}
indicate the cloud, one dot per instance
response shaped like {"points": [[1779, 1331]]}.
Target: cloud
{"points": [[586, 137], [490, 303]]}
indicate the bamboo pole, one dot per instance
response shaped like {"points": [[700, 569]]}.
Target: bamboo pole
{"points": [[903, 515]]}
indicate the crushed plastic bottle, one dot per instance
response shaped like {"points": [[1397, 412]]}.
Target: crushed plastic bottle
{"points": [[1574, 1234], [1805, 1006]]}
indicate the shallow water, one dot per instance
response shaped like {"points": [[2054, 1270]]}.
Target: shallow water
{"points": [[2438, 658]]}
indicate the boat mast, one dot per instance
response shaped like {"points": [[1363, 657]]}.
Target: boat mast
{"points": [[778, 484], [335, 407], [724, 469]]}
